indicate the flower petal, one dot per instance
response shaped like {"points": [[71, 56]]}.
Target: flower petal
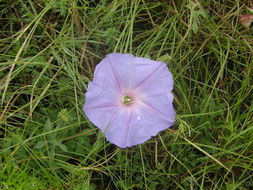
{"points": [[97, 96], [153, 121], [100, 103], [161, 105], [107, 73], [125, 130], [123, 66], [101, 116], [158, 81], [143, 70], [130, 127], [118, 128]]}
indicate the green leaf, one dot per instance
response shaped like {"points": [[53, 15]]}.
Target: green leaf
{"points": [[195, 26], [59, 144], [165, 58], [40, 144], [63, 114], [48, 126]]}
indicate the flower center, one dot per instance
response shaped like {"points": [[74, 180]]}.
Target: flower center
{"points": [[127, 100]]}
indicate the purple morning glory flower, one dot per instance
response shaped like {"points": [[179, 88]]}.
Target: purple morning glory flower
{"points": [[130, 99]]}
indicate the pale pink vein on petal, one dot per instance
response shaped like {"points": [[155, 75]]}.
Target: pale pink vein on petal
{"points": [[148, 77], [154, 110], [116, 76], [100, 86], [128, 125], [102, 106]]}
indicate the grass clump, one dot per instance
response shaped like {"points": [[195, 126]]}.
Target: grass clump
{"points": [[49, 50]]}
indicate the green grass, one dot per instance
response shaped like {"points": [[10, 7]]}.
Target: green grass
{"points": [[48, 52]]}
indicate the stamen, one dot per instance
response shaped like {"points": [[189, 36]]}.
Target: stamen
{"points": [[127, 100]]}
